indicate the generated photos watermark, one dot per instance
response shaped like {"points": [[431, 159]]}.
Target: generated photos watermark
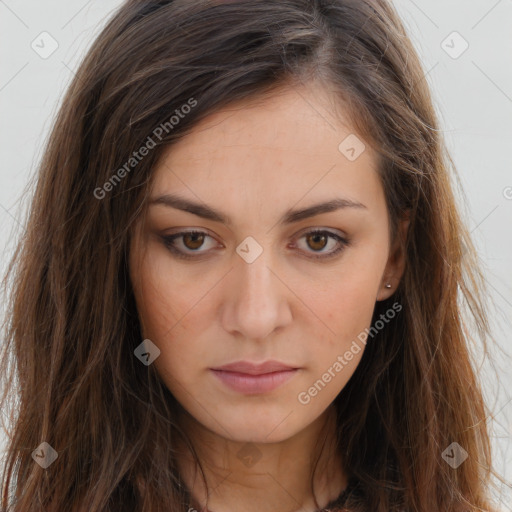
{"points": [[147, 146], [304, 397]]}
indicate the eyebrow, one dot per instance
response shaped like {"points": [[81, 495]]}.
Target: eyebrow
{"points": [[289, 217]]}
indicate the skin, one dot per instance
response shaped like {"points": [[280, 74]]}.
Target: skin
{"points": [[253, 161]]}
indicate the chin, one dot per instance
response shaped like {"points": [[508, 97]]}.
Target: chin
{"points": [[252, 428]]}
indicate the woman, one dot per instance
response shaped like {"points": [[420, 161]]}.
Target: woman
{"points": [[238, 287]]}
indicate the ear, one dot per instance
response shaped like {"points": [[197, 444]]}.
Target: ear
{"points": [[396, 261]]}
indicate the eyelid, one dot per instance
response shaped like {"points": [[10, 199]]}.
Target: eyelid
{"points": [[342, 240], [169, 239]]}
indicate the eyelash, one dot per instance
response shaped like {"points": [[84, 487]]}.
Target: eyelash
{"points": [[169, 241]]}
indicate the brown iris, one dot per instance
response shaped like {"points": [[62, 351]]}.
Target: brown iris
{"points": [[197, 239], [316, 238]]}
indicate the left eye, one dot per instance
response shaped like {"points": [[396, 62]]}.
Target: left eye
{"points": [[319, 239], [192, 241]]}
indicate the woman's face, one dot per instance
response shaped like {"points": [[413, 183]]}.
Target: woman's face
{"points": [[256, 285]]}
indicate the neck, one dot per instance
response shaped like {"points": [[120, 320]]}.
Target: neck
{"points": [[263, 477]]}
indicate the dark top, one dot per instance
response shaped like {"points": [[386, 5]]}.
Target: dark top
{"points": [[335, 503], [341, 499]]}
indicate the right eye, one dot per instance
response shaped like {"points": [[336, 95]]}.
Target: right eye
{"points": [[189, 243]]}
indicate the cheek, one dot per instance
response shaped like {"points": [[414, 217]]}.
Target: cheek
{"points": [[333, 360], [350, 311], [346, 307], [172, 314], [347, 304], [164, 294], [165, 324]]}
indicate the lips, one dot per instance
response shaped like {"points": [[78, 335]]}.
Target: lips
{"points": [[248, 368], [254, 378]]}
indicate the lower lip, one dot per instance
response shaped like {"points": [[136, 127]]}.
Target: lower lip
{"points": [[254, 384]]}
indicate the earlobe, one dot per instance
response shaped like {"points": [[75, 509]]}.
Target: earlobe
{"points": [[385, 291], [396, 262]]}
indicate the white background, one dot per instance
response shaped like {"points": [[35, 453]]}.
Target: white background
{"points": [[473, 95]]}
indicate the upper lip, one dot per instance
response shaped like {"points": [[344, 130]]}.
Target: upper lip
{"points": [[255, 368]]}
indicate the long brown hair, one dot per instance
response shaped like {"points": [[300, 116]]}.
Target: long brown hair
{"points": [[157, 68]]}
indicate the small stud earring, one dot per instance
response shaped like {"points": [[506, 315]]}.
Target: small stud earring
{"points": [[387, 285]]}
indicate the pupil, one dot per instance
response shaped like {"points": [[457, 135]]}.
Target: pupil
{"points": [[195, 238], [316, 237]]}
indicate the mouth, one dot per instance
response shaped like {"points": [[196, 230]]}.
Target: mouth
{"points": [[251, 378]]}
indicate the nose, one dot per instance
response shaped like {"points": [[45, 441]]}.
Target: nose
{"points": [[255, 301]]}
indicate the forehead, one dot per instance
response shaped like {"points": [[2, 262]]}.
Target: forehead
{"points": [[269, 150]]}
